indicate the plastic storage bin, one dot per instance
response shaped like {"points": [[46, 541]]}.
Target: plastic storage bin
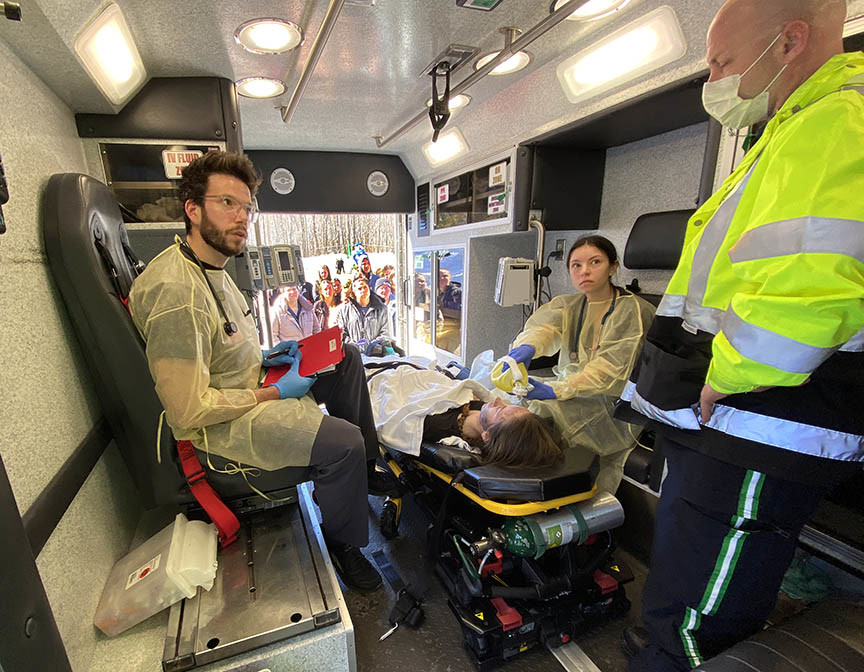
{"points": [[163, 570]]}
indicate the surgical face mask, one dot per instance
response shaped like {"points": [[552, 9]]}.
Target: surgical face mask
{"points": [[722, 101]]}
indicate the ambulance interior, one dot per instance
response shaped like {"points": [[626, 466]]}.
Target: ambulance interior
{"points": [[592, 127]]}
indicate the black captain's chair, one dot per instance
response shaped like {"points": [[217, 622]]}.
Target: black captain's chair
{"points": [[91, 260], [655, 243]]}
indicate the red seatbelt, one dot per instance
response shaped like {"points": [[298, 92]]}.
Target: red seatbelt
{"points": [[223, 518]]}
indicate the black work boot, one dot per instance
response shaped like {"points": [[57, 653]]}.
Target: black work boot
{"points": [[353, 567], [635, 639], [382, 483]]}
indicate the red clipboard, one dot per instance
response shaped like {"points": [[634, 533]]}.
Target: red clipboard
{"points": [[320, 351]]}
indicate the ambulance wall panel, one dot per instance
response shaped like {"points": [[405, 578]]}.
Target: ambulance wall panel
{"points": [[652, 175], [489, 326], [48, 401]]}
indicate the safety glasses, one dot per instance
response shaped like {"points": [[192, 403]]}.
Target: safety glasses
{"points": [[229, 204]]}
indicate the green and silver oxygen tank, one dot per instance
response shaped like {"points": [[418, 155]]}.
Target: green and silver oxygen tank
{"points": [[532, 536]]}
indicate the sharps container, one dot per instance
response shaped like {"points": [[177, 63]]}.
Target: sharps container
{"points": [[163, 570]]}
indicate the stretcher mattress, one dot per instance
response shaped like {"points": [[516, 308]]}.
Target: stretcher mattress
{"points": [[573, 476]]}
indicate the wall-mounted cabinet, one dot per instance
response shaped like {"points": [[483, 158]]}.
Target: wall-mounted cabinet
{"points": [[561, 173], [473, 197], [565, 185]]}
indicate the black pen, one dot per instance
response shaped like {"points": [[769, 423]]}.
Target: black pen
{"points": [[283, 352]]}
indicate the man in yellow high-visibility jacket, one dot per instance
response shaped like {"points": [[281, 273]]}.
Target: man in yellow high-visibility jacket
{"points": [[753, 371]]}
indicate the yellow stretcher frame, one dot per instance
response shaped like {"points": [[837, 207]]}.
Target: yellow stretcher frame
{"points": [[500, 508]]}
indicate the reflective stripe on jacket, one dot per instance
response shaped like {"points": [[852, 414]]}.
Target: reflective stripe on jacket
{"points": [[769, 290]]}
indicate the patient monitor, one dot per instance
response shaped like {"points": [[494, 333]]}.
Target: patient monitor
{"points": [[281, 265], [515, 283]]}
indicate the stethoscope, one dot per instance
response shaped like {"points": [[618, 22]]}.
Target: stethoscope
{"points": [[615, 293], [229, 326]]}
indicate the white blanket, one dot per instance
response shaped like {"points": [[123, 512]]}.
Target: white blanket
{"points": [[402, 397]]}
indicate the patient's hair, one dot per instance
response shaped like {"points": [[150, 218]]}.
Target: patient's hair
{"points": [[523, 441], [195, 176]]}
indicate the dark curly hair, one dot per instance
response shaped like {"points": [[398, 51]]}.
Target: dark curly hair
{"points": [[193, 184]]}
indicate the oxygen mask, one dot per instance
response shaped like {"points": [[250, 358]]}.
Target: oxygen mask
{"points": [[513, 380]]}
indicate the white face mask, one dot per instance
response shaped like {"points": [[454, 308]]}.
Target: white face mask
{"points": [[721, 100]]}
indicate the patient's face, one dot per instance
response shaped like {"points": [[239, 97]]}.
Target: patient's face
{"points": [[496, 411]]}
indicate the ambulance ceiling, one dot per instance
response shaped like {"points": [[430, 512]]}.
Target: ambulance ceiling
{"points": [[368, 81]]}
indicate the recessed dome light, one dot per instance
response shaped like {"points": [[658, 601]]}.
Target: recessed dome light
{"points": [[269, 36], [260, 87], [456, 102], [593, 9], [516, 62], [450, 145]]}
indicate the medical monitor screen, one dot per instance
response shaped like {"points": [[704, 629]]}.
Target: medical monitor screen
{"points": [[285, 261]]}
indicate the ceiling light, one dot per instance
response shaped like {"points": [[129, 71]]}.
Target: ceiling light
{"points": [[269, 36], [450, 145], [516, 62], [260, 87], [638, 48], [456, 102], [591, 10], [107, 50]]}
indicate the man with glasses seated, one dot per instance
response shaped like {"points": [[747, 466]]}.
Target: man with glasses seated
{"points": [[203, 353]]}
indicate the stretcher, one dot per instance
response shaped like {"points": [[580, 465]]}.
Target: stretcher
{"points": [[525, 555]]}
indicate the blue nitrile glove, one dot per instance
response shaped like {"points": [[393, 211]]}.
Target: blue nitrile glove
{"points": [[463, 372], [522, 354], [289, 348], [292, 385], [541, 391]]}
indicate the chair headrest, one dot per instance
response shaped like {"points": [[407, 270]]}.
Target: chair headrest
{"points": [[656, 240]]}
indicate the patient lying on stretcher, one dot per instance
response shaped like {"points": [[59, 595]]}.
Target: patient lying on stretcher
{"points": [[413, 404]]}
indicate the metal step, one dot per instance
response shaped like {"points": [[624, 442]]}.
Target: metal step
{"points": [[272, 584]]}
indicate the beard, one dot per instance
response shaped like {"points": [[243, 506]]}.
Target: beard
{"points": [[219, 240]]}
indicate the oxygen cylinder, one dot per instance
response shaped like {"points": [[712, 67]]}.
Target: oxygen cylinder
{"points": [[529, 536]]}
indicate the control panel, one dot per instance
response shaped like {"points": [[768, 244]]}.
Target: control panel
{"points": [[281, 265]]}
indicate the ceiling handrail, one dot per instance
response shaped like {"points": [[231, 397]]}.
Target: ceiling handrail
{"points": [[514, 47], [315, 52]]}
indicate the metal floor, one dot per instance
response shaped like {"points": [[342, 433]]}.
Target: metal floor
{"points": [[437, 644]]}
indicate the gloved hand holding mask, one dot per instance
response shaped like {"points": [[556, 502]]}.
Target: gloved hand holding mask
{"points": [[523, 354], [284, 354], [292, 385], [510, 373], [540, 391]]}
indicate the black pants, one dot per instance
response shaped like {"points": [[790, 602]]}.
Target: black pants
{"points": [[723, 539], [345, 442]]}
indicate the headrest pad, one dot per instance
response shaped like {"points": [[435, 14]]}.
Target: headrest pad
{"points": [[656, 240]]}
